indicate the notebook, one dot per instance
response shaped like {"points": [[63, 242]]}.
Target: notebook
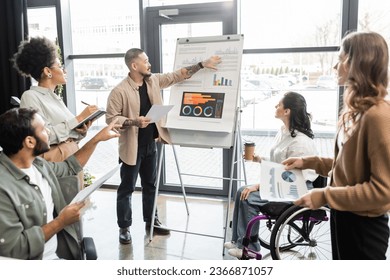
{"points": [[95, 115]]}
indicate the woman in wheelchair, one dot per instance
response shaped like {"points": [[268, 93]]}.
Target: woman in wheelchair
{"points": [[359, 189], [295, 139]]}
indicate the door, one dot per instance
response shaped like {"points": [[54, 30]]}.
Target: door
{"points": [[165, 26]]}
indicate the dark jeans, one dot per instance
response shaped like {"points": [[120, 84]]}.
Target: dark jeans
{"points": [[146, 167], [356, 237]]}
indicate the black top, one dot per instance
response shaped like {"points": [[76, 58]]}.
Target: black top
{"points": [[148, 134]]}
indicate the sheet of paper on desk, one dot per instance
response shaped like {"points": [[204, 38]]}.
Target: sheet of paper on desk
{"points": [[278, 184], [158, 111], [85, 193]]}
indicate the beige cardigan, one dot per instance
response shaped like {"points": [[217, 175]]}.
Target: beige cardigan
{"points": [[124, 102], [360, 173]]}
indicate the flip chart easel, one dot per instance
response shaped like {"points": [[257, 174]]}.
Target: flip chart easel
{"points": [[235, 168], [205, 112]]}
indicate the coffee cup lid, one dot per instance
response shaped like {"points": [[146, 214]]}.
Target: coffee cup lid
{"points": [[249, 144]]}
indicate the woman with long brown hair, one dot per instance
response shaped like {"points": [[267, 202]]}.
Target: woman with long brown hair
{"points": [[359, 190]]}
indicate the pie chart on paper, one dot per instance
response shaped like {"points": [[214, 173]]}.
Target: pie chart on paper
{"points": [[288, 176]]}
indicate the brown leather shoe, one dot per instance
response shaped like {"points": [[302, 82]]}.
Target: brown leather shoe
{"points": [[124, 236], [159, 228]]}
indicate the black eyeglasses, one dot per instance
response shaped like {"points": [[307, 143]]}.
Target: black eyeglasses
{"points": [[62, 67]]}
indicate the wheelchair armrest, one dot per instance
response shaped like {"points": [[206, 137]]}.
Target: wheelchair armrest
{"points": [[275, 208]]}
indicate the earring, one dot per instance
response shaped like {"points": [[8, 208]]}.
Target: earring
{"points": [[49, 75]]}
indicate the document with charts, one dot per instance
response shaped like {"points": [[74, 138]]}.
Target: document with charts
{"points": [[278, 184]]}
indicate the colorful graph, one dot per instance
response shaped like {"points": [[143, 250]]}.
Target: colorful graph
{"points": [[288, 176], [222, 81], [201, 104]]}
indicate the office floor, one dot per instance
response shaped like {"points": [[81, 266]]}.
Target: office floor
{"points": [[207, 217]]}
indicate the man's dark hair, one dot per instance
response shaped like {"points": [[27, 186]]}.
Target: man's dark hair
{"points": [[131, 55], [34, 55], [15, 126]]}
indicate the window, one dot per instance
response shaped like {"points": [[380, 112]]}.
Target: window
{"points": [[286, 24], [289, 51], [209, 160], [103, 37], [268, 76], [42, 22], [100, 31], [373, 16], [152, 3]]}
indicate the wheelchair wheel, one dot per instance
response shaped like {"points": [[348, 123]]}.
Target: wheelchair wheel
{"points": [[302, 234], [89, 248], [265, 229], [272, 211]]}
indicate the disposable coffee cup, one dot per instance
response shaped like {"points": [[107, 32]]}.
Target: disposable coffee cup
{"points": [[249, 150]]}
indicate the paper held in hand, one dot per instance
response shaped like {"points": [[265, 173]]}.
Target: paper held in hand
{"points": [[157, 112], [278, 184], [85, 193]]}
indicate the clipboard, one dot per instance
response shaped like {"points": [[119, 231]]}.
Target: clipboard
{"points": [[95, 115], [85, 193]]}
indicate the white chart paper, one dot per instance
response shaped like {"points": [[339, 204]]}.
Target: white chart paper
{"points": [[85, 193], [157, 112], [278, 184]]}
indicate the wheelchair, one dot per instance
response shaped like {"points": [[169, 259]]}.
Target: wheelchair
{"points": [[291, 232]]}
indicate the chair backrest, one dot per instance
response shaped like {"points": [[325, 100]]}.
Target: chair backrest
{"points": [[320, 182], [15, 101]]}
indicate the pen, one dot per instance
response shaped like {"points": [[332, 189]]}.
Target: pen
{"points": [[85, 103]]}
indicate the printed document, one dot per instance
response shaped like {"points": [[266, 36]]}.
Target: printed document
{"points": [[278, 184], [157, 112], [85, 193]]}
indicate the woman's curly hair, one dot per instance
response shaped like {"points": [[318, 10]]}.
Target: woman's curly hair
{"points": [[34, 55]]}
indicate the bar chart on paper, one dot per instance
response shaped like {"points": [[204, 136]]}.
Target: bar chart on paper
{"points": [[222, 81]]}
